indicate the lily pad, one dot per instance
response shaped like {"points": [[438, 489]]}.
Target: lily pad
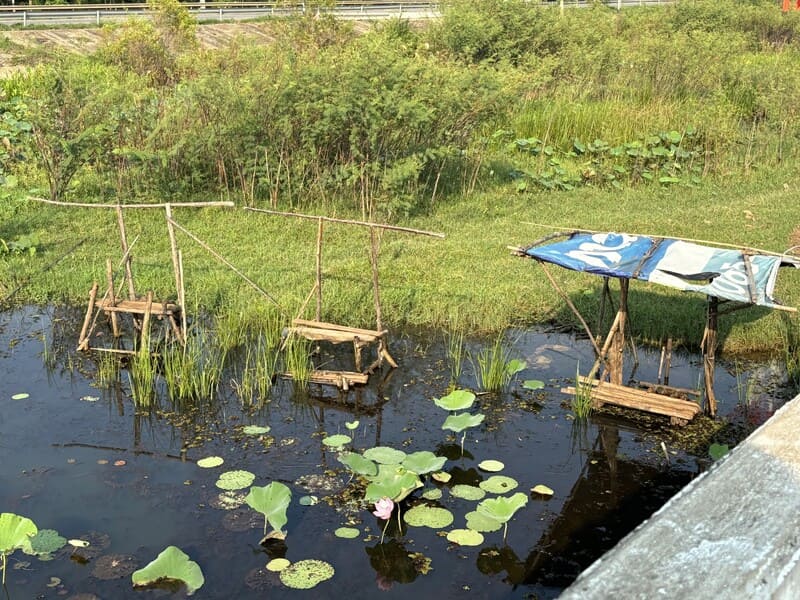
{"points": [[46, 541], [502, 508], [210, 461], [392, 481], [442, 476], [78, 543], [358, 464], [542, 490], [465, 537], [499, 484], [21, 396], [352, 425], [347, 533], [462, 421], [479, 522], [432, 494], [336, 441], [276, 565], [455, 400], [533, 384], [423, 462], [255, 429], [307, 500], [172, 563], [385, 455], [306, 574], [467, 492], [235, 480], [514, 366], [227, 500], [428, 516], [491, 466]]}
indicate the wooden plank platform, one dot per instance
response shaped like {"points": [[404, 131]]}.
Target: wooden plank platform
{"points": [[138, 307], [341, 379], [336, 334], [620, 395]]}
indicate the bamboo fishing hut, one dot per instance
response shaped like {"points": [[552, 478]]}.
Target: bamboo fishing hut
{"points": [[724, 273]]}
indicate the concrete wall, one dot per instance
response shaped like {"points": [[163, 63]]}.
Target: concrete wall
{"points": [[734, 532]]}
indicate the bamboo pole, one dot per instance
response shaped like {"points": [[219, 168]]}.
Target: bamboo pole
{"points": [[123, 237], [182, 297], [347, 222], [709, 346], [173, 249], [114, 206], [83, 339], [319, 270], [112, 297], [376, 292], [616, 359]]}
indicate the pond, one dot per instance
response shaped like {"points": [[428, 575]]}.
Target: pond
{"points": [[81, 460]]}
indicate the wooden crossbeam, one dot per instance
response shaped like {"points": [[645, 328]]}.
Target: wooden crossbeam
{"points": [[138, 307]]}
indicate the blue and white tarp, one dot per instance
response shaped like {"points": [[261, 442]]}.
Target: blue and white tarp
{"points": [[683, 265]]}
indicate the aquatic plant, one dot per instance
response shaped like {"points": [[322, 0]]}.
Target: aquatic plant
{"points": [[455, 354], [502, 509], [107, 369], [383, 510], [423, 515], [495, 368], [171, 564], [465, 537], [306, 574], [462, 422], [271, 501], [15, 533], [297, 360], [358, 464], [142, 372], [582, 402], [392, 481], [194, 370]]}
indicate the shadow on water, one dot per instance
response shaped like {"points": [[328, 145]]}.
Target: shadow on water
{"points": [[81, 459]]}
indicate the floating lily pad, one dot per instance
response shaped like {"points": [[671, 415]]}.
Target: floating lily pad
{"points": [[514, 366], [21, 396], [228, 500], [499, 484], [542, 490], [210, 461], [358, 464], [442, 476], [306, 574], [307, 500], [392, 481], [467, 492], [456, 400], [533, 384], [114, 566], [479, 522], [465, 537], [235, 480], [423, 462], [78, 543], [428, 516], [347, 533], [385, 455], [276, 565], [336, 441], [352, 425], [462, 421], [255, 429], [492, 466], [46, 541], [502, 508], [172, 563], [432, 494]]}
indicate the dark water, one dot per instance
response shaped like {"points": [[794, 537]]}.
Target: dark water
{"points": [[608, 475]]}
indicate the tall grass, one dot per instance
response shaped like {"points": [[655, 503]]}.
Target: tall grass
{"points": [[142, 373], [297, 360], [455, 355], [193, 371], [582, 402], [493, 366]]}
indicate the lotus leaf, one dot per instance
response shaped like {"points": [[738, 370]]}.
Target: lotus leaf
{"points": [[353, 425], [467, 492], [462, 421], [492, 466], [172, 563], [307, 500], [210, 461], [385, 455], [479, 522], [306, 574], [392, 481], [428, 516], [271, 501], [277, 565], [348, 533], [358, 464], [45, 542], [717, 451], [442, 476], [498, 484], [255, 429], [455, 400], [542, 490], [432, 494], [502, 508], [465, 537], [21, 396], [514, 366], [335, 441], [15, 532], [235, 480], [533, 384], [78, 543], [423, 462]]}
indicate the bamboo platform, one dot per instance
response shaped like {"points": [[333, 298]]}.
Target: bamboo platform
{"points": [[679, 411], [344, 380]]}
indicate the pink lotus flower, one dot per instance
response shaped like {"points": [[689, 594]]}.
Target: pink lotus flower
{"points": [[383, 508]]}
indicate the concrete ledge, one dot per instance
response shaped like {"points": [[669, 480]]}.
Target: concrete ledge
{"points": [[734, 532]]}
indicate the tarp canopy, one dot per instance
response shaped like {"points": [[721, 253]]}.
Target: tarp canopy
{"points": [[737, 275]]}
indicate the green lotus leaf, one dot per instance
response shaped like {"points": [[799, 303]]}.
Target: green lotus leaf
{"points": [[255, 429], [353, 425], [336, 441], [15, 532], [307, 500], [442, 476], [467, 492], [21, 396], [358, 464], [347, 533], [385, 455], [432, 494], [533, 384], [499, 484], [45, 542], [462, 421], [392, 481], [455, 400], [492, 466], [465, 537], [423, 462], [514, 366], [235, 480], [542, 490], [276, 565], [502, 508], [479, 522], [717, 451], [174, 564], [271, 501], [305, 574], [428, 516], [210, 461]]}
